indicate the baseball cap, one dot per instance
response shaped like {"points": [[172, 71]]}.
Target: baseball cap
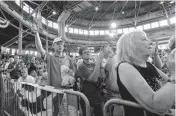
{"points": [[58, 39]]}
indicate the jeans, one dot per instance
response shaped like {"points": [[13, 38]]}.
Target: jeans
{"points": [[71, 109]]}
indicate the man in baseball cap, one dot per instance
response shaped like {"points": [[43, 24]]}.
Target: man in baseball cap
{"points": [[58, 45], [54, 63]]}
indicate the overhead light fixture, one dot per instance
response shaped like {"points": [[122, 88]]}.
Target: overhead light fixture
{"points": [[54, 12], [161, 2], [123, 12], [113, 25], [172, 1], [17, 0], [66, 25], [96, 8]]}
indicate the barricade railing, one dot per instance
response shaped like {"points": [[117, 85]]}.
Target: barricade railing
{"points": [[1, 95], [21, 98], [126, 103]]}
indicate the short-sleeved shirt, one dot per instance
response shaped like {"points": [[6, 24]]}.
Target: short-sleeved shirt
{"points": [[90, 89], [15, 74], [54, 69], [54, 73], [85, 70], [111, 78]]}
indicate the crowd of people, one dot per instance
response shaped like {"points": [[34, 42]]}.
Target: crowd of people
{"points": [[137, 71]]}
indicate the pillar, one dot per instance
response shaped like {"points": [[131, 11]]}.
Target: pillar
{"points": [[20, 39]]}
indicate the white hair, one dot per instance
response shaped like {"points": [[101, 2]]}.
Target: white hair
{"points": [[126, 49]]}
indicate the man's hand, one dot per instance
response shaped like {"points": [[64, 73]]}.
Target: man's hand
{"points": [[100, 57], [171, 60], [34, 28], [155, 48]]}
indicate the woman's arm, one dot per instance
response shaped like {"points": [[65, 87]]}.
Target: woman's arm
{"points": [[157, 61], [163, 75], [159, 101]]}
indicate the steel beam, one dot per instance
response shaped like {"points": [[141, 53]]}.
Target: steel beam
{"points": [[13, 39], [36, 9], [43, 32]]}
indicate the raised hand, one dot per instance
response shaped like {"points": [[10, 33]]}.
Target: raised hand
{"points": [[34, 27], [101, 55], [171, 60], [156, 48]]}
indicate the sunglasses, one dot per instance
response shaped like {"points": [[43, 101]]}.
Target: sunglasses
{"points": [[86, 52], [60, 43]]}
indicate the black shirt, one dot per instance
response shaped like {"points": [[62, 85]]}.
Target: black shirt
{"points": [[15, 74], [151, 75]]}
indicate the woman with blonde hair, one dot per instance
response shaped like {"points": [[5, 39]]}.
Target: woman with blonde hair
{"points": [[138, 79]]}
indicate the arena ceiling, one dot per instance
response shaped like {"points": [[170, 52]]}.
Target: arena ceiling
{"points": [[85, 15], [107, 11]]}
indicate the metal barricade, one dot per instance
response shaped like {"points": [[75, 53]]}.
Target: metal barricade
{"points": [[130, 104], [120, 102], [27, 99], [1, 95]]}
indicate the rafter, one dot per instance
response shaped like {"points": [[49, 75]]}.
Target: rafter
{"points": [[100, 17], [36, 9]]}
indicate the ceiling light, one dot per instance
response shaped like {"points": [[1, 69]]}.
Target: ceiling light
{"points": [[123, 12], [172, 1], [96, 8], [161, 2], [113, 25], [54, 12], [66, 26], [17, 0]]}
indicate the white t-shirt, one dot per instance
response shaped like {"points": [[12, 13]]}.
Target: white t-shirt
{"points": [[29, 79]]}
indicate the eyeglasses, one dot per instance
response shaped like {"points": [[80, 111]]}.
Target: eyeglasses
{"points": [[60, 43], [86, 52]]}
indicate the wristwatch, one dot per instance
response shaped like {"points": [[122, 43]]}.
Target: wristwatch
{"points": [[171, 81]]}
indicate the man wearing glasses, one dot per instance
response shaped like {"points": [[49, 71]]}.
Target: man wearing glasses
{"points": [[89, 73], [54, 63]]}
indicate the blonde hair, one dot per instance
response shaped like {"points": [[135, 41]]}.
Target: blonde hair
{"points": [[126, 49]]}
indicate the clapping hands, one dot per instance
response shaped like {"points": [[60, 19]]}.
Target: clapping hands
{"points": [[171, 60]]}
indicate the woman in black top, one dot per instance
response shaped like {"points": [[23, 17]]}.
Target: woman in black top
{"points": [[138, 80]]}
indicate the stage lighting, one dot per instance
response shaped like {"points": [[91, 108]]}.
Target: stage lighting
{"points": [[54, 12], [96, 8], [113, 25]]}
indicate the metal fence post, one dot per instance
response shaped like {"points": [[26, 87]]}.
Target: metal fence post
{"points": [[77, 93], [120, 102]]}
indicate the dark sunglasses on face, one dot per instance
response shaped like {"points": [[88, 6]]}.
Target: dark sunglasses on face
{"points": [[86, 52]]}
